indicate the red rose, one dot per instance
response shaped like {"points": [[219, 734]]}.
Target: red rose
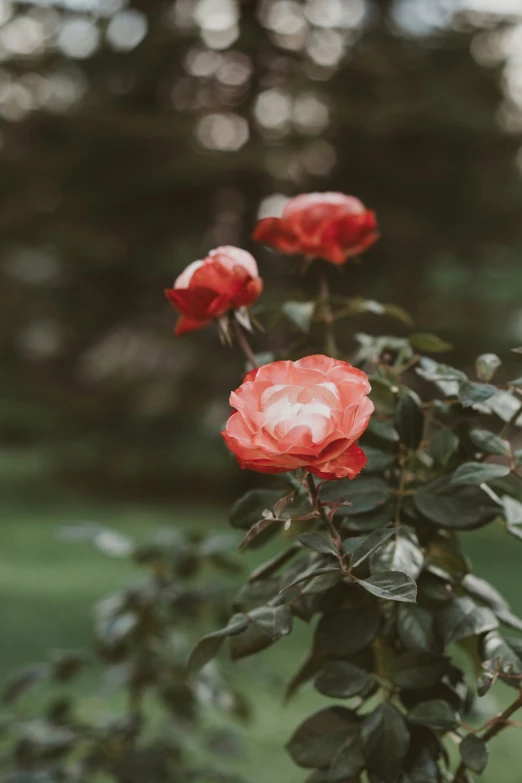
{"points": [[305, 414], [225, 280], [321, 225]]}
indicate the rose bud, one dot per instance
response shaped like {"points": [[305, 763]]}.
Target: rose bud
{"points": [[227, 279], [305, 414], [321, 225]]}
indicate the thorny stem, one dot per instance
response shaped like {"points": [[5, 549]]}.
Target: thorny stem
{"points": [[335, 538], [326, 311], [244, 345], [496, 726]]}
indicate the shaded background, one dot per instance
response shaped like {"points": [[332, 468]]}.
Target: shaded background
{"points": [[135, 136]]}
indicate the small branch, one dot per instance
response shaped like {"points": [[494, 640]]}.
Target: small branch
{"points": [[243, 343], [496, 726], [334, 536], [326, 311]]}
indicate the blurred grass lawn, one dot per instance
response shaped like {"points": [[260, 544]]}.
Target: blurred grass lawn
{"points": [[48, 586]]}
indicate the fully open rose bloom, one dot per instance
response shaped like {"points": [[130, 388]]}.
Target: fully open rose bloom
{"points": [[225, 280], [305, 414], [321, 225]]}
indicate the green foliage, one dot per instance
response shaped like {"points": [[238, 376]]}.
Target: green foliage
{"points": [[150, 708], [392, 592]]}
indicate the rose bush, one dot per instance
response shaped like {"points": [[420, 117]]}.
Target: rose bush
{"points": [[227, 279], [321, 225], [305, 414], [377, 561]]}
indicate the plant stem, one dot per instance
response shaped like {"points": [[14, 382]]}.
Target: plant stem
{"points": [[497, 725], [244, 345], [334, 536], [326, 311]]}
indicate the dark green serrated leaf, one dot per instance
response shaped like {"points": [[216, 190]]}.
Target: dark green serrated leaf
{"points": [[417, 669], [486, 366], [473, 393], [343, 633], [251, 640], [342, 680], [364, 494], [299, 313], [415, 628], [250, 507], [476, 473], [382, 395], [488, 442], [403, 554], [391, 585], [310, 573], [276, 621], [463, 618], [437, 714], [208, 647], [386, 738], [318, 543], [409, 419], [425, 341], [444, 444], [474, 753], [446, 378], [317, 741], [445, 553], [348, 762], [370, 544], [457, 507]]}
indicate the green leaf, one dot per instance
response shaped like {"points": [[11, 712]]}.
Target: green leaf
{"points": [[383, 429], [310, 573], [378, 460], [382, 395], [317, 741], [409, 419], [386, 738], [417, 670], [444, 444], [415, 627], [252, 640], [22, 680], [208, 647], [363, 494], [424, 341], [276, 621], [457, 507], [250, 507], [476, 473], [299, 313], [474, 753], [348, 762], [486, 366], [437, 714], [446, 378], [512, 510], [343, 633], [505, 405], [403, 554], [484, 592], [257, 529], [463, 618], [474, 393], [391, 585], [318, 543], [342, 680], [494, 646], [370, 544], [488, 442]]}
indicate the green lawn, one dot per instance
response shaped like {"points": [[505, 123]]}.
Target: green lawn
{"points": [[48, 585]]}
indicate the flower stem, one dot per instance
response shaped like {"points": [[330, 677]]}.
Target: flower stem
{"points": [[334, 536], [496, 726], [326, 311], [244, 345]]}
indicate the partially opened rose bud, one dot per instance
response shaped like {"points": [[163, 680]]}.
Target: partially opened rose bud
{"points": [[321, 225], [227, 279], [305, 414]]}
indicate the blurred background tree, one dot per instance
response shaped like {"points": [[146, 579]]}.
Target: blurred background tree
{"points": [[137, 135]]}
